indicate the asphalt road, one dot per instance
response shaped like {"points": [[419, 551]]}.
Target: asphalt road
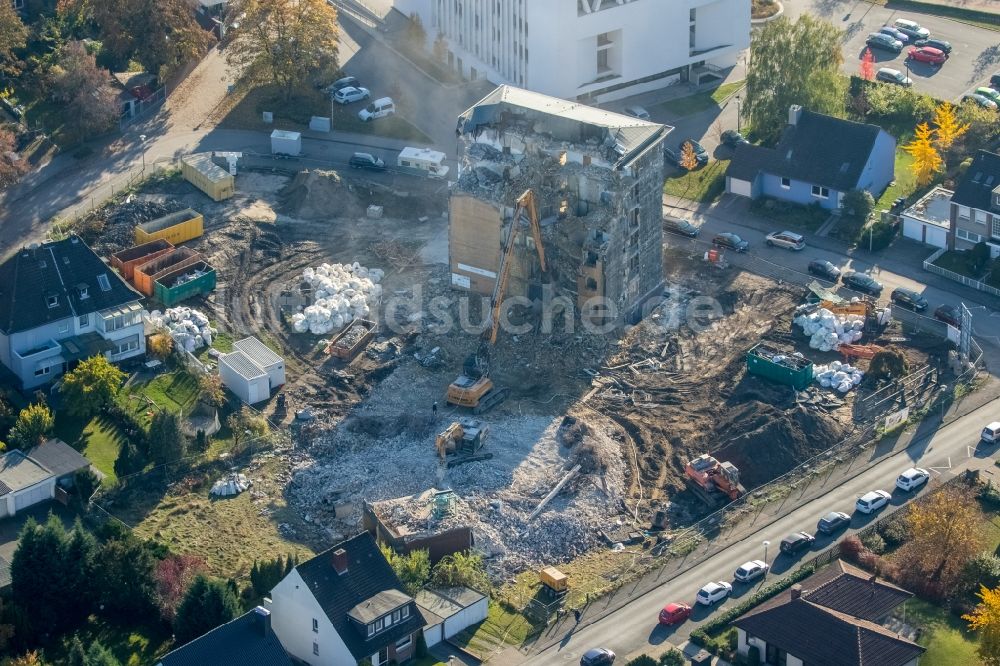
{"points": [[976, 52], [634, 627]]}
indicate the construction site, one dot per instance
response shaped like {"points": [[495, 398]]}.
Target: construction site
{"points": [[627, 392]]}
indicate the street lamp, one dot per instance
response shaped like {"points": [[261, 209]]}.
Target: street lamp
{"points": [[766, 544], [142, 141], [739, 113]]}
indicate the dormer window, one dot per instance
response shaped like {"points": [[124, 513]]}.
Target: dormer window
{"points": [[102, 281], [52, 300], [83, 291]]}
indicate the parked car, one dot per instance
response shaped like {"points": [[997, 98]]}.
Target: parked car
{"points": [[731, 241], [989, 93], [597, 657], [895, 34], [786, 239], [862, 282], [700, 154], [995, 81], [676, 225], [732, 138], [751, 571], [981, 100], [366, 161], [713, 592], [351, 94], [794, 543], [637, 112], [949, 315], [890, 75], [877, 40], [991, 433], [872, 501], [346, 82], [927, 54], [380, 108], [674, 613], [939, 44], [911, 29], [912, 478], [832, 522], [908, 299], [824, 269]]}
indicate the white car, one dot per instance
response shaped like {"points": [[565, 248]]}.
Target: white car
{"points": [[713, 592], [991, 433], [786, 239], [873, 501], [912, 478], [751, 571], [637, 112], [351, 94]]}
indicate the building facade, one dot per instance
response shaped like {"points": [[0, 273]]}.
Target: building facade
{"points": [[596, 50], [975, 205]]}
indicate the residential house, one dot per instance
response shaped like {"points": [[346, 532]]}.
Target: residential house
{"points": [[602, 49], [975, 206], [833, 618], [246, 641], [344, 606], [59, 303], [30, 477], [817, 160]]}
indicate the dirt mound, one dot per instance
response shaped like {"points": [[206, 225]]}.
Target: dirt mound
{"points": [[314, 195]]}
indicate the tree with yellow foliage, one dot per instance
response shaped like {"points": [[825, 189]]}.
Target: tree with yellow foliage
{"points": [[689, 161], [986, 620], [946, 126], [926, 159], [946, 535]]}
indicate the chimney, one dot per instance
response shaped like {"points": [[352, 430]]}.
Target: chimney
{"points": [[340, 561], [796, 591], [872, 580], [794, 113], [262, 620]]}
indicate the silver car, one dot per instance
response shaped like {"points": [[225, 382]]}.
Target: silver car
{"points": [[786, 239]]}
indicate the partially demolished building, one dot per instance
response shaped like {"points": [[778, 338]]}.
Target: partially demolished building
{"points": [[597, 177]]}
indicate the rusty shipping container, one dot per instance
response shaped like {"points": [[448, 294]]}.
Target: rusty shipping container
{"points": [[126, 260]]}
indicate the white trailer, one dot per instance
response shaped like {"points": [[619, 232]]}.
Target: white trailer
{"points": [[284, 142], [422, 162]]}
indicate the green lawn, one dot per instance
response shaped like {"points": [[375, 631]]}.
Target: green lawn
{"points": [[704, 185], [904, 185], [790, 215], [686, 106], [98, 438], [500, 628], [175, 391], [956, 262], [943, 634]]}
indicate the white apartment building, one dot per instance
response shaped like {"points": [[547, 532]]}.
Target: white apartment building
{"points": [[591, 50]]}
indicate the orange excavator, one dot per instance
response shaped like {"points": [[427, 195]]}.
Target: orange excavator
{"points": [[474, 388], [710, 476]]}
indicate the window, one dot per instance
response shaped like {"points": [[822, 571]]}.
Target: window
{"points": [[395, 616], [996, 227], [84, 321], [18, 4], [84, 292], [41, 371], [52, 300], [371, 629], [102, 280], [380, 624], [316, 649], [126, 346], [403, 643], [64, 327], [404, 612], [968, 235], [820, 192], [315, 626], [786, 183], [602, 61], [980, 216], [963, 212]]}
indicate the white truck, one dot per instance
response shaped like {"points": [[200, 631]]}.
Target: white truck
{"points": [[285, 143]]}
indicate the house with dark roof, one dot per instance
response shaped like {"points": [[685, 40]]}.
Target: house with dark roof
{"points": [[59, 304], [833, 618], [246, 641], [817, 160], [30, 477], [975, 205], [344, 606]]}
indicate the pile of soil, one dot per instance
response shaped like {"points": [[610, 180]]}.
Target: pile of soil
{"points": [[314, 195]]}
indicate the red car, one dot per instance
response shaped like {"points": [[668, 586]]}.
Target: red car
{"points": [[927, 54], [674, 613]]}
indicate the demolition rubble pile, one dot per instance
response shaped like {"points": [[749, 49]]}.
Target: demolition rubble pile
{"points": [[382, 453], [827, 331], [188, 328], [341, 293], [837, 375]]}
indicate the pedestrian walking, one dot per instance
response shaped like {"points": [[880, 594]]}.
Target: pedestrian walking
{"points": [[434, 409], [576, 615]]}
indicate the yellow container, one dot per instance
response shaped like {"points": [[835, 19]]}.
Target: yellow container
{"points": [[554, 578], [174, 228], [207, 176]]}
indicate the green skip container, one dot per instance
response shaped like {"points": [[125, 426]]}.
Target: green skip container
{"points": [[780, 366]]}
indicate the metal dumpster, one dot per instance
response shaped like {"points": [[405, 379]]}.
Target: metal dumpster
{"points": [[146, 274], [207, 176], [175, 228], [179, 284], [127, 260], [780, 366]]}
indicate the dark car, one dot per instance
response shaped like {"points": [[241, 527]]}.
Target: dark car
{"points": [[877, 40], [700, 154], [676, 225], [824, 269], [995, 81], [833, 521], [366, 161], [346, 82], [794, 543], [732, 138], [597, 657], [949, 315], [731, 241], [895, 34], [862, 282], [908, 299], [939, 44]]}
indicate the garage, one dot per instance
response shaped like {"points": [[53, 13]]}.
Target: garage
{"points": [[924, 232], [247, 380], [29, 478], [458, 608], [929, 219], [34, 495], [743, 188]]}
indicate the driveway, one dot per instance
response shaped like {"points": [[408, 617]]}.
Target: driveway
{"points": [[10, 531]]}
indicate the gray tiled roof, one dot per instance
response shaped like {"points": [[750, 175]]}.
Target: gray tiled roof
{"points": [[240, 642], [58, 457], [977, 185]]}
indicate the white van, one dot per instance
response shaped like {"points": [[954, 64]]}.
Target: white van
{"points": [[422, 162], [991, 433], [380, 108]]}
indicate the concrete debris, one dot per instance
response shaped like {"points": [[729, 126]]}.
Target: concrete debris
{"points": [[187, 327], [341, 293]]}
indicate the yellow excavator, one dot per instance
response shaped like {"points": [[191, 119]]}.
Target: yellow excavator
{"points": [[474, 388]]}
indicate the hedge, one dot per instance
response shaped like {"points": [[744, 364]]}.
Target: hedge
{"points": [[948, 11]]}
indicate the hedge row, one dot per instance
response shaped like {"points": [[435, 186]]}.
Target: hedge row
{"points": [[948, 11]]}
